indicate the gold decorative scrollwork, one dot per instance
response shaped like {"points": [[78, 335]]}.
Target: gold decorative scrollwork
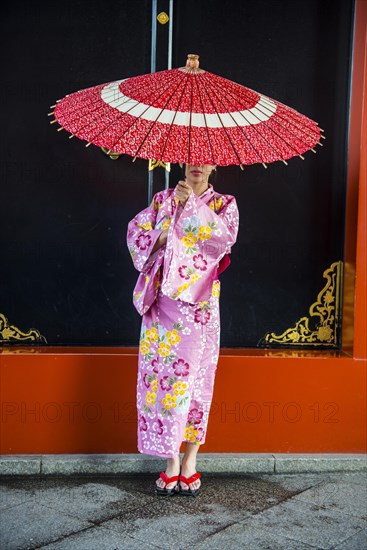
{"points": [[327, 308], [12, 334], [155, 163], [112, 154]]}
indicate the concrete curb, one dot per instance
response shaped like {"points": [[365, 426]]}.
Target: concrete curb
{"points": [[112, 464]]}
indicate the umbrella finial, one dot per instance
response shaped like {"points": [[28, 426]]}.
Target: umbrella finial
{"points": [[192, 61], [192, 64]]}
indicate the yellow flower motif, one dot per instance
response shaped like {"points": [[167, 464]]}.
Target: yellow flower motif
{"points": [[173, 338], [218, 203], [163, 349], [151, 335], [195, 277], [147, 226], [144, 347], [138, 294], [183, 287], [146, 280], [204, 232], [215, 288], [179, 387], [189, 239], [191, 433], [150, 398], [157, 205], [169, 401], [166, 223], [154, 385]]}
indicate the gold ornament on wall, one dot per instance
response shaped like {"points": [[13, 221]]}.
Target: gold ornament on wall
{"points": [[162, 18], [112, 154], [155, 163], [327, 309], [12, 334]]}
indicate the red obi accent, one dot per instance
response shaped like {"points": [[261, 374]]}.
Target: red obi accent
{"points": [[223, 264]]}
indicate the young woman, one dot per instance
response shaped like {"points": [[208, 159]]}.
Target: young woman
{"points": [[179, 245]]}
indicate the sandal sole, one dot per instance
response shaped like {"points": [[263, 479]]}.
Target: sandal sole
{"points": [[166, 493]]}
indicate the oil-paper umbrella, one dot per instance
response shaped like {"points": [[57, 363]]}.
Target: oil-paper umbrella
{"points": [[187, 115]]}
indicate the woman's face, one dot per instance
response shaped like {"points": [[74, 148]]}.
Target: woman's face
{"points": [[198, 173]]}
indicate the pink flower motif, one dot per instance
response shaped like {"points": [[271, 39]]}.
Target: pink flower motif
{"points": [[199, 437], [201, 316], [158, 425], [164, 383], [143, 241], [146, 383], [183, 273], [199, 262], [143, 424], [195, 416], [155, 365], [181, 368]]}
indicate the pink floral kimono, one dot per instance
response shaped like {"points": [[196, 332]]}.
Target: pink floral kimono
{"points": [[177, 294]]}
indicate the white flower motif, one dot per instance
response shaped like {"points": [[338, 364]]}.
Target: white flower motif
{"points": [[161, 331], [193, 221]]}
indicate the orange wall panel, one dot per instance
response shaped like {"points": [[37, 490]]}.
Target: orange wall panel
{"points": [[55, 403]]}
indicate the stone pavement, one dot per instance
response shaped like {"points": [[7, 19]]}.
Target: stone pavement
{"points": [[298, 511]]}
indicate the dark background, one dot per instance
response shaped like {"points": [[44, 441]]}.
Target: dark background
{"points": [[66, 270]]}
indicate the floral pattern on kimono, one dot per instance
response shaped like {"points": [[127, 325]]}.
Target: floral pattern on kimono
{"points": [[142, 233], [179, 340], [200, 234], [196, 242]]}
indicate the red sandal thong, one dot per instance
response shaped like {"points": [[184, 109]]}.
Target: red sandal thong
{"points": [[188, 480], [168, 492]]}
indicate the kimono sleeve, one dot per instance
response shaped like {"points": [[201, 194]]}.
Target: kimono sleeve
{"points": [[141, 236], [198, 241]]}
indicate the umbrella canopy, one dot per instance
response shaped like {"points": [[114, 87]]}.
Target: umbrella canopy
{"points": [[187, 115]]}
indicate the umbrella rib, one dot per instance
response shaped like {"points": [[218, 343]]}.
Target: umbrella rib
{"points": [[189, 147], [251, 144], [121, 115], [297, 123], [153, 122], [102, 105], [206, 123], [111, 92], [293, 121], [279, 116], [254, 127], [224, 128], [258, 131], [238, 97], [171, 125]]}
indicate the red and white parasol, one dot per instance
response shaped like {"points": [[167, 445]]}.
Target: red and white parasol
{"points": [[187, 115]]}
